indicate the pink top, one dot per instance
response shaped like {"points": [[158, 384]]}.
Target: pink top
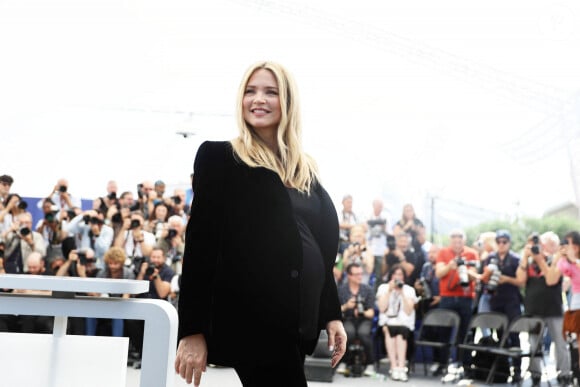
{"points": [[571, 270]]}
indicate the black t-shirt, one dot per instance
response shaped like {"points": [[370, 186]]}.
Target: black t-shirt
{"points": [[541, 299], [392, 260], [306, 212]]}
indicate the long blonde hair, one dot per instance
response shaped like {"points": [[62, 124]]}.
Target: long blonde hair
{"points": [[295, 168]]}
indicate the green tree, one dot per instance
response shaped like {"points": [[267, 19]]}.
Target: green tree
{"points": [[524, 227]]}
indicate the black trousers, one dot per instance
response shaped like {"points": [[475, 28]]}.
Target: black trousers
{"points": [[285, 370]]}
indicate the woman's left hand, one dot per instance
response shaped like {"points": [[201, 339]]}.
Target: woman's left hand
{"points": [[336, 341]]}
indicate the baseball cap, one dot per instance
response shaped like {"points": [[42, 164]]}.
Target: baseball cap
{"points": [[503, 234]]}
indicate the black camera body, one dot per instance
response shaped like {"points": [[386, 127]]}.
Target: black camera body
{"points": [[50, 217], [62, 189], [24, 231], [171, 233], [535, 245], [399, 284], [135, 223]]}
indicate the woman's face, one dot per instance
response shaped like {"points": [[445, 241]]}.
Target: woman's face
{"points": [[261, 103], [160, 212], [398, 275], [572, 250]]}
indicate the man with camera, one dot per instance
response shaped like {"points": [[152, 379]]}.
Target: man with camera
{"points": [[102, 204], [62, 198], [399, 253], [132, 237], [172, 241], [456, 270], [94, 233], [357, 304], [50, 227], [501, 286], [539, 270], [377, 237], [21, 241]]}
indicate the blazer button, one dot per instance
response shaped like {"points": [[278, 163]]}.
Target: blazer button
{"points": [[294, 274]]}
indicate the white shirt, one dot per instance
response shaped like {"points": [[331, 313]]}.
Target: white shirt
{"points": [[135, 251], [395, 314]]}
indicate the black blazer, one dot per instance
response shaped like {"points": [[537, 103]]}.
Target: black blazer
{"points": [[243, 260]]}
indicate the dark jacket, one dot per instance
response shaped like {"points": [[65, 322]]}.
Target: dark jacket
{"points": [[243, 260]]}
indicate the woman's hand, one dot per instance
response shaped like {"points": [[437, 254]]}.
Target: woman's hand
{"points": [[191, 359], [336, 341]]}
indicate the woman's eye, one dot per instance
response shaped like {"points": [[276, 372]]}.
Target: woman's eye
{"points": [[249, 91], [272, 92]]}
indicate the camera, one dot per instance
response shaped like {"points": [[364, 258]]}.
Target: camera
{"points": [[462, 271], [137, 262], [399, 284], [22, 205], [50, 217], [149, 271], [535, 244], [135, 223], [62, 189], [71, 214], [427, 294], [24, 231], [116, 218], [140, 191], [82, 254], [391, 243], [171, 233], [355, 359], [495, 275], [112, 196], [360, 306], [86, 219], [176, 200]]}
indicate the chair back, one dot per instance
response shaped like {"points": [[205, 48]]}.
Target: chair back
{"points": [[528, 324], [492, 321], [442, 318]]}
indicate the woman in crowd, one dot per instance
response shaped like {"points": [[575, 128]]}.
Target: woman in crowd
{"points": [[396, 302], [257, 283], [408, 222], [359, 252]]}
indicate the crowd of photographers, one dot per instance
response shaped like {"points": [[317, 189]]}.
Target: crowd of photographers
{"points": [[120, 237], [390, 276]]}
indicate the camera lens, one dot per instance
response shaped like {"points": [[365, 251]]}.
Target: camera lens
{"points": [[135, 223], [24, 231]]}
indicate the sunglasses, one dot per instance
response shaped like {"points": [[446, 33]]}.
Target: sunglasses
{"points": [[502, 241]]}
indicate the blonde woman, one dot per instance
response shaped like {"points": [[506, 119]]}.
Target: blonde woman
{"points": [[257, 283]]}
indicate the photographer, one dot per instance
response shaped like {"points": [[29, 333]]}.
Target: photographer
{"points": [[94, 233], [357, 305], [172, 242], [131, 237], [157, 221], [14, 207], [359, 252], [178, 204], [501, 285], [455, 269], [50, 227], [377, 237], [159, 276], [543, 298], [396, 302], [21, 241], [147, 198], [5, 184], [62, 198], [103, 204], [399, 253]]}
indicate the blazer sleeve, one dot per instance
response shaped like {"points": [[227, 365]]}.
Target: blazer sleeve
{"points": [[328, 242], [201, 243]]}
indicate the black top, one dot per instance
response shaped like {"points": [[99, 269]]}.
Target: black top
{"points": [[306, 211], [243, 261]]}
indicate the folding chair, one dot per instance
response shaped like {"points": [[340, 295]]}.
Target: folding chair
{"points": [[438, 318], [494, 324], [530, 325]]}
